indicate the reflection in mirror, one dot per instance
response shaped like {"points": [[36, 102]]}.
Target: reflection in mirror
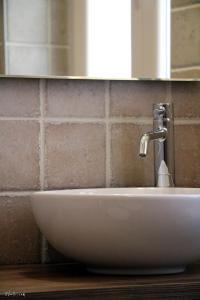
{"points": [[2, 63], [185, 39], [100, 38]]}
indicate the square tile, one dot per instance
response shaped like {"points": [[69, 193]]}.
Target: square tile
{"points": [[128, 169], [187, 155], [180, 3], [19, 97], [185, 38], [75, 155], [186, 98], [19, 234], [19, 155], [31, 26], [135, 98], [25, 60], [75, 98]]}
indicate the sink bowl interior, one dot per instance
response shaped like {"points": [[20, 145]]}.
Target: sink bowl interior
{"points": [[123, 230]]}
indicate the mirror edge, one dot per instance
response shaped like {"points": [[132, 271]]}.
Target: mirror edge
{"points": [[96, 78]]}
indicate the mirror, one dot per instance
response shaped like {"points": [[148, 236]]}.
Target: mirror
{"points": [[110, 39]]}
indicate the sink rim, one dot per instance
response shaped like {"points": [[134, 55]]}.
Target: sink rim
{"points": [[123, 191]]}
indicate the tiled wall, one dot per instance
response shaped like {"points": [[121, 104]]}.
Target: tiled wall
{"points": [[185, 38], [37, 42], [57, 134]]}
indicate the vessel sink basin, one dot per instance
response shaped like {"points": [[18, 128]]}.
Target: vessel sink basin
{"points": [[123, 230]]}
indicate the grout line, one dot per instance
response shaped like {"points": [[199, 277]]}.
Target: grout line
{"points": [[183, 121], [186, 7], [169, 96], [43, 241], [16, 193], [73, 120], [108, 134], [42, 135], [20, 119], [44, 45], [110, 121], [131, 120], [57, 121], [5, 34], [107, 119]]}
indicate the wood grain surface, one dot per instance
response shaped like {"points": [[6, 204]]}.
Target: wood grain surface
{"points": [[72, 282]]}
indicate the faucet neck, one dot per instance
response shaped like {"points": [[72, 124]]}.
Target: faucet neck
{"points": [[163, 138], [164, 149]]}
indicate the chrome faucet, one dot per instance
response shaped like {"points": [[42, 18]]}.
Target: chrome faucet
{"points": [[163, 138]]}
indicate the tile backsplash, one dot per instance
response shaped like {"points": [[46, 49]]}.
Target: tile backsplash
{"points": [[58, 134]]}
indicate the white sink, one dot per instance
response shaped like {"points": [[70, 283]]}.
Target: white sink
{"points": [[123, 230]]}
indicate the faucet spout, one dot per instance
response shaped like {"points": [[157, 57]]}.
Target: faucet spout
{"points": [[159, 134], [144, 142]]}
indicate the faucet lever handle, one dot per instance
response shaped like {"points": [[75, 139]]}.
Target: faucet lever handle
{"points": [[159, 111]]}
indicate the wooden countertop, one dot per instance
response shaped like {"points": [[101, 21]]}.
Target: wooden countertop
{"points": [[72, 282]]}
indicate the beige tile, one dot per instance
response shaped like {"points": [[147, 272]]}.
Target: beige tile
{"points": [[19, 98], [186, 37], [127, 168], [59, 21], [19, 234], [132, 98], [25, 60], [186, 97], [187, 155], [179, 3], [19, 155], [75, 155], [75, 98], [59, 62], [31, 26]]}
